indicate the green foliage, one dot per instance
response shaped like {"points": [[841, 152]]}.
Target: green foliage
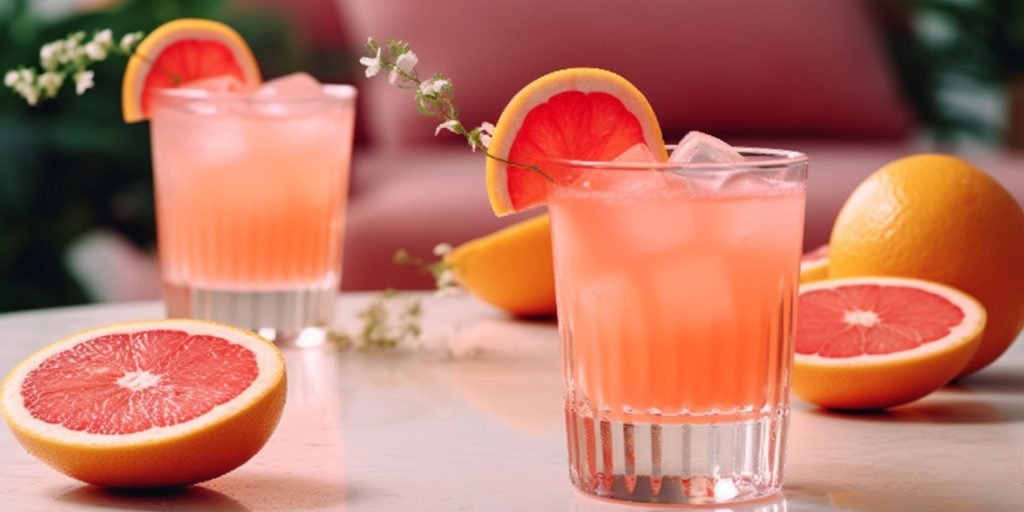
{"points": [[943, 45], [71, 164]]}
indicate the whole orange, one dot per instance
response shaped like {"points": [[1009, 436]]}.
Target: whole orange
{"points": [[939, 218]]}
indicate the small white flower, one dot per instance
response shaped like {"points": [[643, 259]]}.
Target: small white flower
{"points": [[372, 64], [50, 54], [27, 75], [95, 51], [83, 81], [104, 37], [447, 291], [128, 41], [50, 82], [486, 131], [29, 92], [442, 249], [12, 77], [404, 64], [449, 125], [407, 61], [432, 87], [446, 279]]}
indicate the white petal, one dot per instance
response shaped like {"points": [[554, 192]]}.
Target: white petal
{"points": [[447, 125], [11, 78], [95, 51], [485, 140], [487, 128], [442, 249], [83, 81], [407, 61], [104, 37]]}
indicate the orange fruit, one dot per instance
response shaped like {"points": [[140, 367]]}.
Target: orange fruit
{"points": [[182, 51], [147, 404], [576, 113], [939, 218], [814, 265], [510, 269], [877, 342]]}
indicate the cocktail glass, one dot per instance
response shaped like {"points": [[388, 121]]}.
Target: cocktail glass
{"points": [[250, 197], [676, 292]]}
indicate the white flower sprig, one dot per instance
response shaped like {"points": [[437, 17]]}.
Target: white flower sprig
{"points": [[434, 96], [68, 57]]}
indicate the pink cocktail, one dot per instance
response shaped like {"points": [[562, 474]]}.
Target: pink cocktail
{"points": [[250, 193], [676, 291]]}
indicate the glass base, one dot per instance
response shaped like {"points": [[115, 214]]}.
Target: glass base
{"points": [[683, 463], [293, 317]]}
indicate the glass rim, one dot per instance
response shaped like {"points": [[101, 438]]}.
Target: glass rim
{"points": [[331, 93], [773, 159]]}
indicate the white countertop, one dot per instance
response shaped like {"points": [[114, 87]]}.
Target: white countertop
{"points": [[471, 420]]}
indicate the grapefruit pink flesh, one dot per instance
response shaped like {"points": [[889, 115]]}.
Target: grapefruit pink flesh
{"points": [[126, 383], [572, 124], [872, 319]]}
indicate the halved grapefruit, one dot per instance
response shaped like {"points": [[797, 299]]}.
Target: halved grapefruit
{"points": [[147, 404], [877, 342], [182, 51], [814, 265], [576, 113]]}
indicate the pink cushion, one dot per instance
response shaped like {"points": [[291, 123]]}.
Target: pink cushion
{"points": [[788, 67]]}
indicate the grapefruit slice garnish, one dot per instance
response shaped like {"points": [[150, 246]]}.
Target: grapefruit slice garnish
{"points": [[147, 404], [182, 51], [814, 265], [576, 113], [877, 342]]}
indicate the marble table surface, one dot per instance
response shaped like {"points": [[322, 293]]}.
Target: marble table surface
{"points": [[469, 419]]}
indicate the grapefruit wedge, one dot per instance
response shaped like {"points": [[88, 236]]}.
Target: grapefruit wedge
{"points": [[182, 51], [576, 113], [878, 342], [147, 404], [814, 265]]}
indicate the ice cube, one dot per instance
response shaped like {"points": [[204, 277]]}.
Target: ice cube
{"points": [[291, 86], [216, 84], [620, 180], [701, 147], [638, 152]]}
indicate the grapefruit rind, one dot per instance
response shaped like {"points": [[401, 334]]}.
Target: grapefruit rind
{"points": [[877, 381], [140, 62], [511, 268], [190, 452], [586, 80]]}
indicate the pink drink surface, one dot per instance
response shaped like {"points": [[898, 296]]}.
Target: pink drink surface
{"points": [[251, 196], [676, 302]]}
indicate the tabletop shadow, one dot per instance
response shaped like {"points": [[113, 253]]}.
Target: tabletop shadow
{"points": [[288, 491], [197, 498], [961, 412], [995, 380]]}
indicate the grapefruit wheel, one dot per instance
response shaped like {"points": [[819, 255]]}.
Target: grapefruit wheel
{"points": [[183, 51], [814, 265], [877, 342], [576, 113], [147, 404]]}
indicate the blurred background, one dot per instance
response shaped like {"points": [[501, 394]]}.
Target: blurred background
{"points": [[853, 83]]}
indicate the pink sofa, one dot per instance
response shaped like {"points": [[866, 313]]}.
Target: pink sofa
{"points": [[799, 74]]}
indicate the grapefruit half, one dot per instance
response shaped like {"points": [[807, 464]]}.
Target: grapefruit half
{"points": [[182, 51], [147, 404], [576, 113], [814, 265], [877, 342]]}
